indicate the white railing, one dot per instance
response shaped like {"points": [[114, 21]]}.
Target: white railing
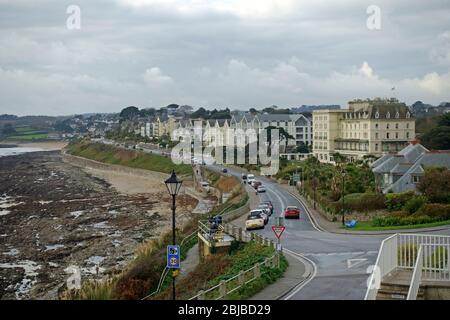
{"points": [[165, 271], [416, 277], [224, 288], [387, 261], [402, 251], [244, 277]]}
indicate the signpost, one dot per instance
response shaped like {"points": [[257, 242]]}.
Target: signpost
{"points": [[278, 230], [173, 257]]}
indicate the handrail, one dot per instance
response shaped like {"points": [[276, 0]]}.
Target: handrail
{"points": [[270, 260], [416, 277], [165, 271], [403, 253], [379, 268]]}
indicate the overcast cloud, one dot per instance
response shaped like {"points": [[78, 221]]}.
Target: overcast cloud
{"points": [[219, 53]]}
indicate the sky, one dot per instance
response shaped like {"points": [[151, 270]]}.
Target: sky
{"points": [[219, 53]]}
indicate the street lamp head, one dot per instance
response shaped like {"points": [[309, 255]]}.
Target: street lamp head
{"points": [[173, 184]]}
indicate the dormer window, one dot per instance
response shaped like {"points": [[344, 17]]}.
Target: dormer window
{"points": [[377, 115], [388, 115], [397, 115], [408, 115]]}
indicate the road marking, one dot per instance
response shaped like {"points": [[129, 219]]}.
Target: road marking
{"points": [[353, 262], [313, 222], [301, 285], [312, 254]]}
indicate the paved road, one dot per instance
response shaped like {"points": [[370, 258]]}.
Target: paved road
{"points": [[340, 260], [330, 253]]}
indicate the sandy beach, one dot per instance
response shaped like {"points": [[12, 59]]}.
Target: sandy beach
{"points": [[54, 215]]}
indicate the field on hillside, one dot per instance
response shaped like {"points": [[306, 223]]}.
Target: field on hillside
{"points": [[134, 159], [28, 133]]}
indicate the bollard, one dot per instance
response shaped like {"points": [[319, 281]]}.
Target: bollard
{"points": [[241, 278], [267, 262], [223, 289], [257, 271], [278, 260]]}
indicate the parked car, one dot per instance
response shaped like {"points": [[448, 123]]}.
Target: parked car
{"points": [[266, 208], [261, 213], [261, 189], [256, 184], [254, 222], [224, 170], [250, 178], [269, 203], [292, 212], [244, 176]]}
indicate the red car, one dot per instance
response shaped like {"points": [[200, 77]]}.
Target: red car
{"points": [[292, 212]]}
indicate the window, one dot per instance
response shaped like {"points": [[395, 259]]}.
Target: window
{"points": [[396, 135], [376, 125], [407, 135], [377, 115], [376, 146], [387, 135], [376, 135], [387, 126], [415, 179], [407, 125], [396, 125]]}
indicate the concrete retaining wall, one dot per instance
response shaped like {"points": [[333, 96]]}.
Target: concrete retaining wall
{"points": [[88, 163]]}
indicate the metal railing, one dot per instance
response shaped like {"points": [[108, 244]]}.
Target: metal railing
{"points": [[165, 272], [226, 287], [403, 251], [386, 262], [416, 277]]}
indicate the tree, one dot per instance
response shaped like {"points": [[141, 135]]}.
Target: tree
{"points": [[129, 113], [302, 148], [435, 184], [8, 129], [437, 138], [444, 120], [200, 113]]}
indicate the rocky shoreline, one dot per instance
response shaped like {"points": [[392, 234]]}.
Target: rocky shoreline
{"points": [[54, 215]]}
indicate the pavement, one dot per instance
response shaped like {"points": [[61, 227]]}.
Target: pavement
{"points": [[296, 273]]}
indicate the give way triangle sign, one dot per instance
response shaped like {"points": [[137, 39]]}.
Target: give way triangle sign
{"points": [[278, 230]]}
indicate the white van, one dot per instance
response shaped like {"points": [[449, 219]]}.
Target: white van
{"points": [[250, 178]]}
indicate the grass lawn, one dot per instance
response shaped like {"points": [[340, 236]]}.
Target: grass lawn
{"points": [[28, 133], [367, 226], [128, 158]]}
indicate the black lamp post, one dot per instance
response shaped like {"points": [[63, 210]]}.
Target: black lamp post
{"points": [[315, 187], [343, 194], [173, 185]]}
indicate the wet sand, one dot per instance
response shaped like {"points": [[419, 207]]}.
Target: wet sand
{"points": [[54, 215]]}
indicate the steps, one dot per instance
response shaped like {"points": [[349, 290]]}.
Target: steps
{"points": [[390, 291]]}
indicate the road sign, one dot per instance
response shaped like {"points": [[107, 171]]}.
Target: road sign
{"points": [[296, 177], [279, 221], [173, 257], [278, 230]]}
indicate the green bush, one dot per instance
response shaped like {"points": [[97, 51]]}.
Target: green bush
{"points": [[396, 201], [435, 211], [361, 202], [414, 204], [389, 221]]}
